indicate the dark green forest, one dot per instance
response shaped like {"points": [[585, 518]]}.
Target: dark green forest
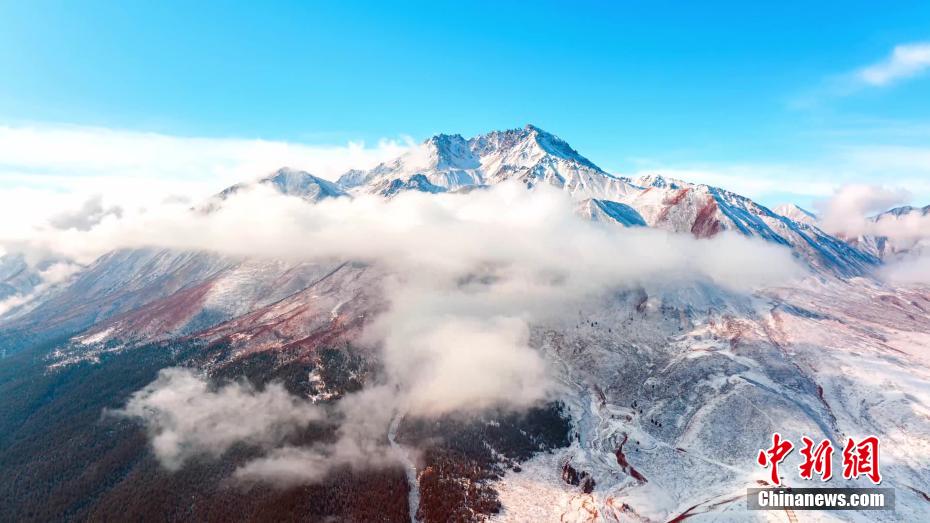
{"points": [[64, 458]]}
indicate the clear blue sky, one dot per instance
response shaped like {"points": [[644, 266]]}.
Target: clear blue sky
{"points": [[627, 83]]}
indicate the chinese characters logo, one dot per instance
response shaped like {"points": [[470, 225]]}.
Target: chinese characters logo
{"points": [[860, 458]]}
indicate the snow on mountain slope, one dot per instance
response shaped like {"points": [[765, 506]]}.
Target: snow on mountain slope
{"points": [[671, 391], [253, 307], [796, 213], [704, 211], [329, 312], [533, 156], [16, 277], [673, 394], [417, 182], [291, 182], [896, 233], [230, 293], [529, 155], [444, 161], [899, 232], [117, 282], [610, 212], [902, 212]]}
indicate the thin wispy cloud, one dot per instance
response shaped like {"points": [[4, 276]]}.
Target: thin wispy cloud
{"points": [[70, 157], [54, 171], [803, 182], [905, 61]]}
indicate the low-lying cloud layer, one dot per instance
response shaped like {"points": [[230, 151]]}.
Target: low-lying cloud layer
{"points": [[859, 211], [52, 273], [187, 418], [361, 443], [910, 270], [470, 269], [47, 168], [470, 273], [847, 212]]}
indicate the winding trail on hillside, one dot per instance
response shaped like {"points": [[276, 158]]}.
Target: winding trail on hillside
{"points": [[410, 468]]}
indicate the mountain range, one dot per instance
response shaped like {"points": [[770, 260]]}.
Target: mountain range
{"points": [[667, 394]]}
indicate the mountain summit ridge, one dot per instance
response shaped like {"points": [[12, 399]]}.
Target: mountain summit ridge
{"points": [[291, 182], [533, 157], [450, 162]]}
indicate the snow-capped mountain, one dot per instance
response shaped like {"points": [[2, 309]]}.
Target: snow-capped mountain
{"points": [[667, 391], [16, 276], [902, 212], [704, 211], [533, 156], [291, 182], [796, 213], [896, 233], [149, 295], [607, 211], [449, 162], [116, 283]]}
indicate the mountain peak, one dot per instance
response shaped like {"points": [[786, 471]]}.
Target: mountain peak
{"points": [[287, 176], [448, 151], [904, 210], [796, 213], [443, 138], [527, 154], [528, 141], [294, 182], [660, 182], [532, 129], [291, 182]]}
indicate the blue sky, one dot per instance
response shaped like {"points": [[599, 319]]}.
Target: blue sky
{"points": [[735, 92]]}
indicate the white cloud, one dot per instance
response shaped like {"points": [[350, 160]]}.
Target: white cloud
{"points": [[57, 272], [360, 444], [130, 168], [74, 176], [851, 213], [818, 179], [288, 466], [532, 248], [847, 211], [451, 233], [909, 270], [468, 275], [186, 418], [906, 61], [755, 181], [90, 214]]}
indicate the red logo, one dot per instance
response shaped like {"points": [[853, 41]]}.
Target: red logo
{"points": [[819, 460], [859, 458], [775, 455]]}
